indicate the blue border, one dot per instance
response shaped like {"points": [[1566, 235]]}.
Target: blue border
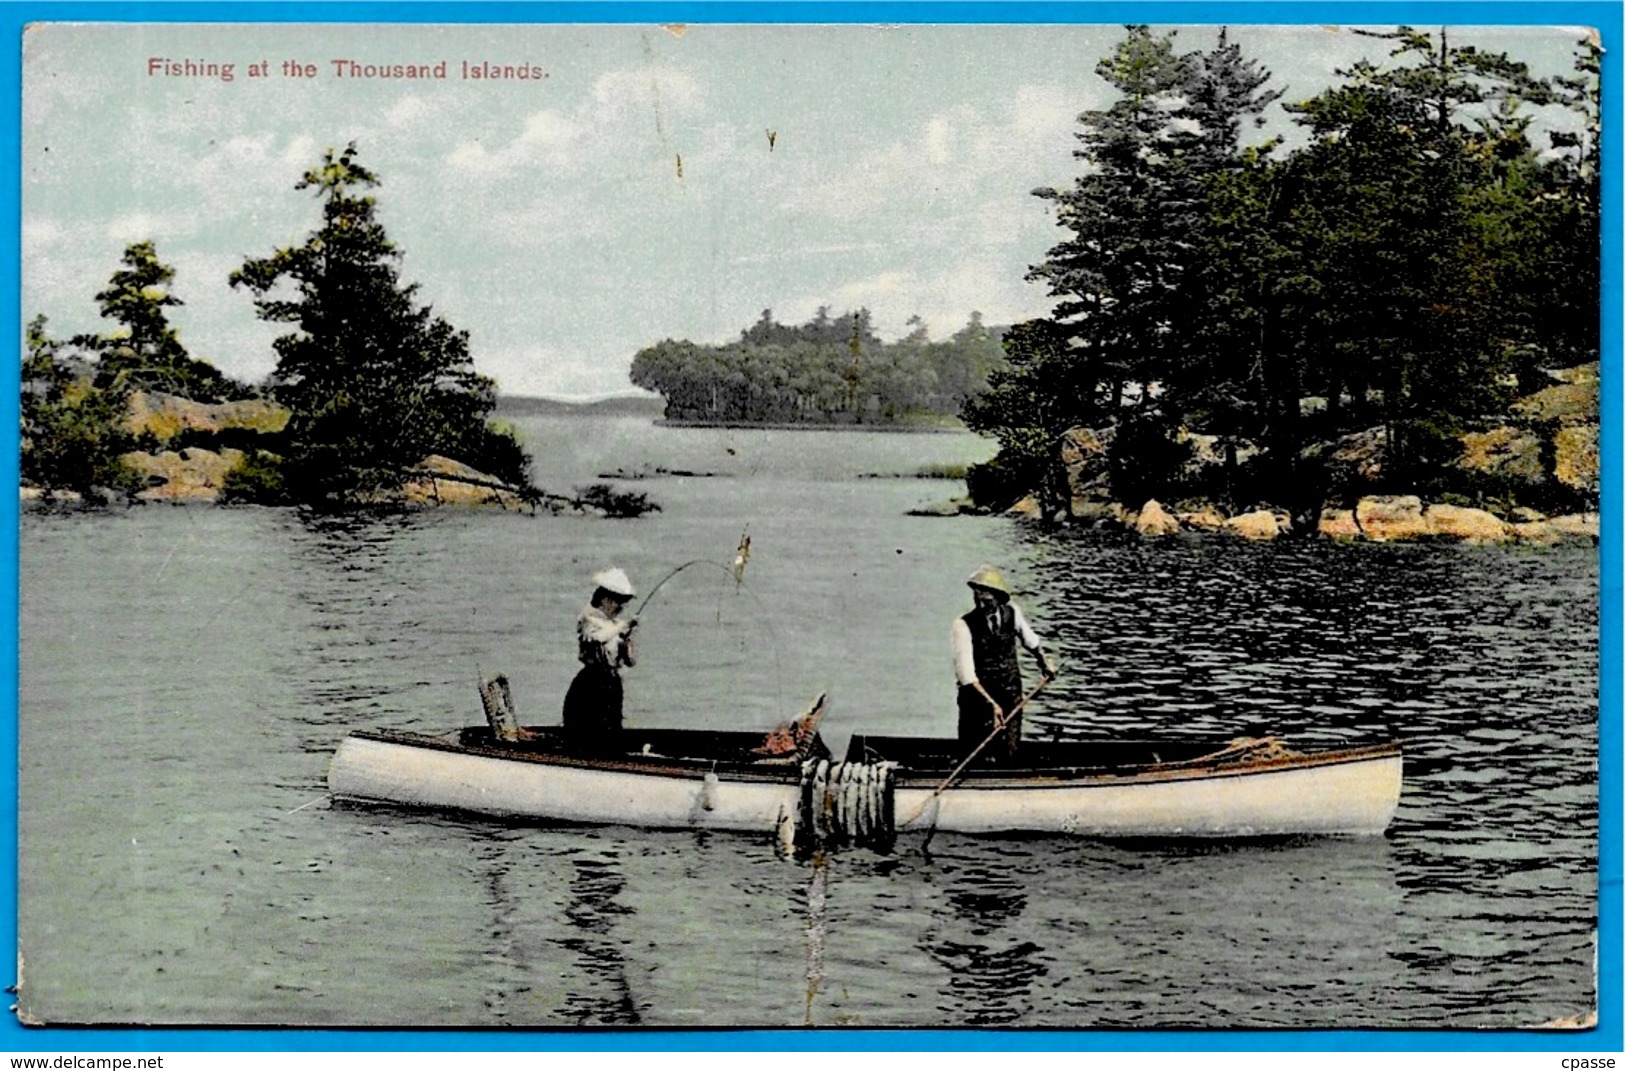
{"points": [[1606, 17]]}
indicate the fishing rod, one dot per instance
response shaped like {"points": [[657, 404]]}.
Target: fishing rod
{"points": [[737, 570], [652, 591]]}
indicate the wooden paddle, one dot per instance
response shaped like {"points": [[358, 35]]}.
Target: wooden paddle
{"points": [[998, 727]]}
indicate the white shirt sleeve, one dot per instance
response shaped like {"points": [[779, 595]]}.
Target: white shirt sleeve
{"points": [[964, 656], [1024, 632]]}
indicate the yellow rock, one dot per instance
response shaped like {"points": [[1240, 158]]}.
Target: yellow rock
{"points": [[1206, 519], [192, 475], [1540, 532], [165, 416], [1472, 525], [1579, 526], [445, 482], [1505, 449], [1389, 518], [1339, 524], [1259, 524], [1155, 521], [1572, 400], [1575, 462], [1027, 507]]}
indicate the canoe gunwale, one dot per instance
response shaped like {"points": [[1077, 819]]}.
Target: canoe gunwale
{"points": [[780, 771], [1188, 770], [768, 770]]}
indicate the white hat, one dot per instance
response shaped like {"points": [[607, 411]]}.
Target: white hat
{"points": [[614, 581]]}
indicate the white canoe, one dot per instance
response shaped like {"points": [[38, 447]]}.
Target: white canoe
{"points": [[694, 779]]}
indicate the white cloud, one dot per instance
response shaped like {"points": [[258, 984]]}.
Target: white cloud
{"points": [[943, 297], [624, 114], [939, 140], [40, 234], [663, 90], [1042, 114], [958, 155], [543, 137], [408, 111], [301, 151], [843, 249], [534, 370], [550, 131], [148, 226]]}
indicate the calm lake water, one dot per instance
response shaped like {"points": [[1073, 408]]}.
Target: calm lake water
{"points": [[186, 674]]}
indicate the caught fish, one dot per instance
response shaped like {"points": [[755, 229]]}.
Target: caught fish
{"points": [[741, 557]]}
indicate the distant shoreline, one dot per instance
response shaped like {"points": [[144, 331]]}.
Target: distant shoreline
{"points": [[654, 408], [747, 425], [508, 405]]}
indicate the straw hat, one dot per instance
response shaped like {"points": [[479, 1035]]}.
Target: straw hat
{"points": [[990, 579], [614, 581]]}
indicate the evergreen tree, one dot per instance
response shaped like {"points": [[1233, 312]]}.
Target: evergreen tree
{"points": [[1130, 214], [1414, 187], [145, 352], [375, 381], [1564, 254], [1395, 271], [1144, 314]]}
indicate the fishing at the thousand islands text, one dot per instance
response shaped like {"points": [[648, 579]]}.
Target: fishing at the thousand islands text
{"points": [[346, 70]]}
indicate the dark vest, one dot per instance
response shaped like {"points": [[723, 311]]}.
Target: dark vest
{"points": [[993, 646]]}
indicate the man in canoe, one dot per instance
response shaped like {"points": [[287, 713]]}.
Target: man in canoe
{"points": [[592, 706], [984, 649]]}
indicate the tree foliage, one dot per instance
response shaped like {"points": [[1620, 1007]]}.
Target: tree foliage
{"points": [[1413, 264], [144, 352], [830, 370], [375, 381], [73, 432]]}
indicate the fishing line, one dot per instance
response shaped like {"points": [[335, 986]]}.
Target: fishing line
{"points": [[739, 583], [312, 803]]}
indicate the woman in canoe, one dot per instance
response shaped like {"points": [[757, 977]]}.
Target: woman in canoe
{"points": [[984, 649], [592, 706]]}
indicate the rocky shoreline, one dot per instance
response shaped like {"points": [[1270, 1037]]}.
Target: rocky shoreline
{"points": [[1545, 450], [1374, 519], [178, 474]]}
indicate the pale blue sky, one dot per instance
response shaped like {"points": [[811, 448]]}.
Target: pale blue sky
{"points": [[549, 218]]}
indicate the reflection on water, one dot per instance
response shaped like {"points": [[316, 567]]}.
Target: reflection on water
{"points": [[817, 928], [606, 997], [186, 675], [989, 972]]}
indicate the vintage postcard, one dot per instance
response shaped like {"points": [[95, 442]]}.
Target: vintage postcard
{"points": [[829, 526]]}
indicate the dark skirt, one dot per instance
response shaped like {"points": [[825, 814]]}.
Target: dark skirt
{"points": [[976, 720], [592, 709]]}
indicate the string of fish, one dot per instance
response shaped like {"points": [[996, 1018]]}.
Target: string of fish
{"points": [[848, 803]]}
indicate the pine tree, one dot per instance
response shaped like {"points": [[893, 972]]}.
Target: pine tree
{"points": [[1409, 218], [1139, 298], [374, 380], [145, 352], [1117, 276]]}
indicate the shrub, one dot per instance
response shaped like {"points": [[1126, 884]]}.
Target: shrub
{"points": [[256, 480], [614, 503]]}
